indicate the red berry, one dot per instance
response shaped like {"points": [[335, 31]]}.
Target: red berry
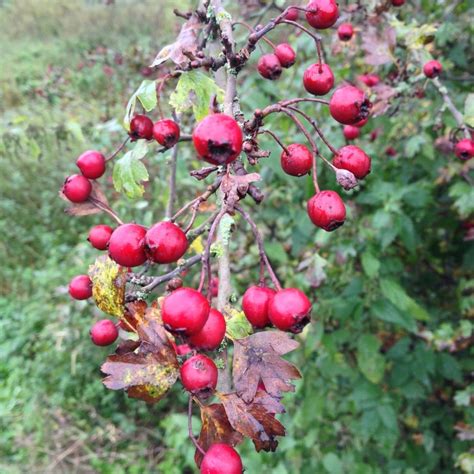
{"points": [[349, 105], [185, 311], [92, 164], [286, 54], [353, 159], [199, 375], [361, 123], [182, 349], [345, 31], [77, 188], [104, 332], [255, 305], [99, 236], [218, 139], [127, 245], [289, 310], [141, 126], [318, 79], [432, 69], [398, 3], [322, 13], [292, 14], [80, 287], [370, 80], [351, 132], [297, 161], [212, 333], [166, 242], [390, 151], [326, 210], [214, 286], [221, 459], [464, 149], [166, 132], [269, 66]]}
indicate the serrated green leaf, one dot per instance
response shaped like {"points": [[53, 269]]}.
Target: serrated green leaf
{"points": [[237, 325], [369, 360], [333, 464], [370, 264], [146, 94], [386, 311]]}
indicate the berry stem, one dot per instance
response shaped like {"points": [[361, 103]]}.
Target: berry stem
{"points": [[190, 427], [316, 38], [246, 25], [105, 208], [172, 178], [269, 132], [118, 150]]}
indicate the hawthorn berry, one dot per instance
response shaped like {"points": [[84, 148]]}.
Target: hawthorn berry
{"points": [[297, 161], [327, 210], [361, 123], [289, 310], [370, 80], [353, 159], [77, 188], [212, 333], [214, 286], [166, 132], [182, 349], [349, 105], [322, 14], [80, 287], [221, 459], [285, 54], [104, 332], [345, 31], [398, 3], [292, 14], [199, 375], [185, 310], [127, 245], [390, 151], [351, 132], [464, 149], [99, 236], [318, 79], [269, 66], [432, 69], [218, 139], [255, 305], [165, 242], [92, 164], [141, 126]]}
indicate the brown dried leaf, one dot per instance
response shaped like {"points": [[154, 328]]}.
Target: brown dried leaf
{"points": [[378, 49], [88, 207], [384, 96]]}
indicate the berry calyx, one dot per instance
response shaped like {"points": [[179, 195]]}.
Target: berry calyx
{"points": [[349, 105], [318, 79], [80, 287], [351, 132], [92, 164], [185, 310], [141, 126], [212, 333], [432, 69], [370, 80], [297, 161], [464, 149], [286, 54], [398, 3], [255, 305], [199, 375], [127, 245], [166, 132], [77, 188], [218, 139], [99, 236], [353, 159], [221, 459], [165, 242], [322, 14], [269, 66], [292, 14], [289, 310], [327, 210], [345, 31], [104, 332]]}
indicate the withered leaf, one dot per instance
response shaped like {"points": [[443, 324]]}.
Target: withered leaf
{"points": [[257, 357], [384, 96], [378, 48], [88, 207]]}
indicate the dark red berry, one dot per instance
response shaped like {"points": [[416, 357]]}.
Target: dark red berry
{"points": [[269, 66], [398, 3], [292, 14], [297, 161], [166, 242], [351, 132], [218, 139], [185, 311], [370, 80], [127, 245], [182, 349], [99, 236], [464, 149], [166, 132], [212, 333], [432, 69], [390, 151], [104, 332], [141, 126], [289, 310], [326, 210], [199, 375], [221, 459], [255, 305], [345, 31], [318, 79], [286, 55], [92, 164], [77, 188], [361, 123], [349, 105], [80, 287], [322, 14], [214, 286], [353, 159]]}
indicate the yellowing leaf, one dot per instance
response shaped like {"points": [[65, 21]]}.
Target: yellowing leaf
{"points": [[197, 246]]}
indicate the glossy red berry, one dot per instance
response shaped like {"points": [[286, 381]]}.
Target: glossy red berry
{"points": [[165, 242], [322, 14], [398, 3], [221, 459], [289, 310], [104, 332], [361, 123], [199, 375], [353, 159], [326, 210], [286, 54], [349, 105], [99, 236], [166, 132], [255, 305], [212, 333], [345, 31], [80, 287], [370, 80], [269, 66], [351, 132], [141, 126], [77, 188], [185, 310], [218, 139], [292, 14], [432, 69], [127, 245], [464, 149], [182, 349], [92, 164], [318, 79], [297, 161]]}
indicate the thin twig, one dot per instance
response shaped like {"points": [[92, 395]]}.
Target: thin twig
{"points": [[190, 427], [118, 150]]}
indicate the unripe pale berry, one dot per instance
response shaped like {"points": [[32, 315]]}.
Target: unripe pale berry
{"points": [[286, 54], [322, 14], [326, 210], [166, 132], [318, 79], [345, 31], [269, 66], [349, 105], [80, 287], [432, 69], [104, 332], [297, 161], [351, 132], [199, 375], [141, 126], [255, 305], [289, 310], [210, 337], [464, 149], [77, 188], [165, 242], [127, 245], [221, 459], [92, 164], [99, 236], [353, 159]]}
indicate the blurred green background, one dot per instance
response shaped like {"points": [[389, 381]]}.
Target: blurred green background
{"points": [[387, 363]]}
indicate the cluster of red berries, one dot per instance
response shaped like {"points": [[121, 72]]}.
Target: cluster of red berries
{"points": [[166, 131]]}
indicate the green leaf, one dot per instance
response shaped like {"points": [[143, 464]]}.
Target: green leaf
{"points": [[370, 264], [332, 464], [469, 110], [369, 360], [386, 311], [388, 416], [146, 94], [463, 193]]}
